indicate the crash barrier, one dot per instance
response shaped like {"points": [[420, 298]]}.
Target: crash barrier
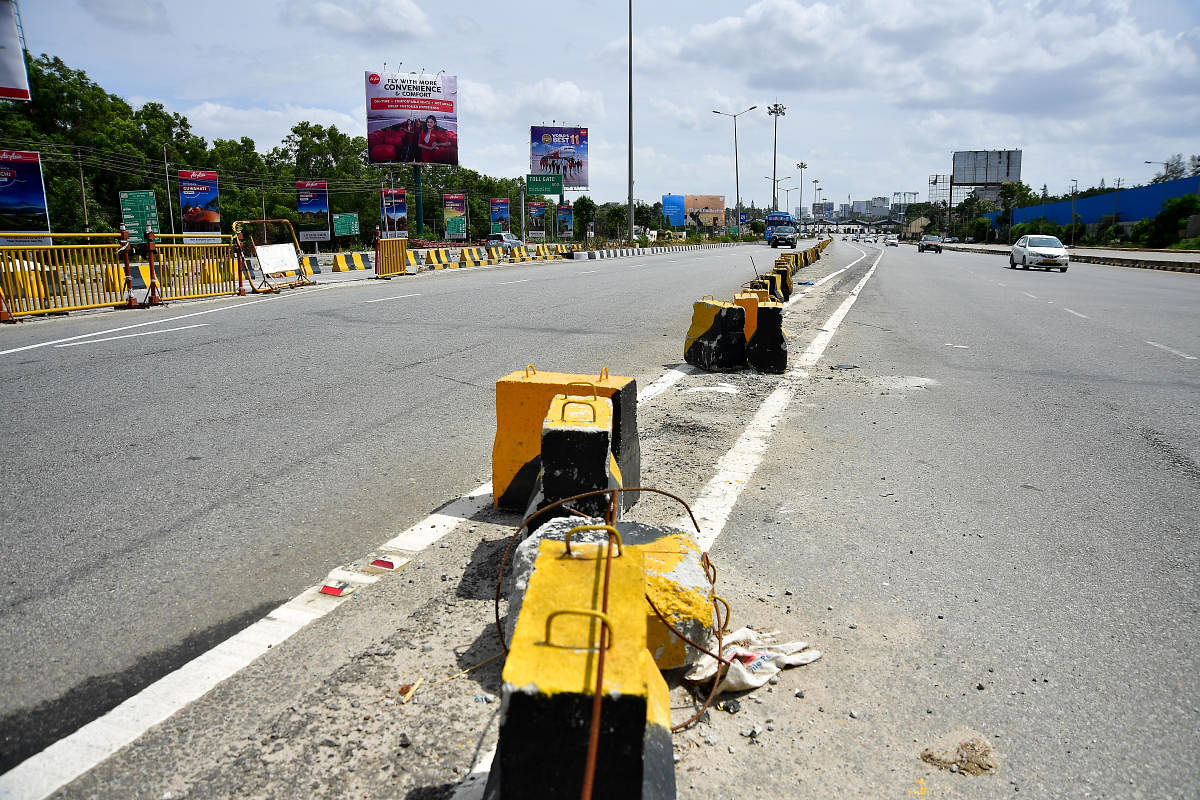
{"points": [[523, 399], [716, 339], [785, 280], [578, 652], [766, 348], [189, 271], [91, 271], [519, 254], [576, 453], [439, 258], [495, 254], [392, 258], [348, 262], [544, 252], [310, 264], [1113, 260], [474, 257]]}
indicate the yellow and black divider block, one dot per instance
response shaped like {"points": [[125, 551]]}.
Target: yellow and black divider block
{"points": [[785, 281], [495, 254], [749, 301], [766, 349], [346, 262], [716, 341], [770, 282], [580, 633], [542, 251], [519, 254], [577, 453], [439, 258], [473, 257], [310, 265], [522, 402]]}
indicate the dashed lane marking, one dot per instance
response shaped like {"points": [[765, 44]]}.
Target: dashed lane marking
{"points": [[1076, 313], [131, 335], [394, 297], [1171, 350]]}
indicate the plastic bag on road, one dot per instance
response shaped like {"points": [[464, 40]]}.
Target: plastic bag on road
{"points": [[754, 659]]}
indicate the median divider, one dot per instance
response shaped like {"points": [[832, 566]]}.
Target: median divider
{"points": [[349, 262], [716, 339], [439, 258], [576, 453], [474, 257]]}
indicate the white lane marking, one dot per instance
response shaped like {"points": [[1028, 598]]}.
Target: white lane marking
{"points": [[998, 283], [1027, 294], [473, 785], [960, 346], [131, 335], [504, 283], [801, 295], [1076, 313], [672, 376], [130, 327], [76, 754], [395, 297], [589, 272], [720, 388], [716, 500], [1171, 350]]}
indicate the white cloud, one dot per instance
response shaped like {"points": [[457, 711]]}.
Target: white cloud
{"points": [[365, 18], [121, 14], [266, 126]]}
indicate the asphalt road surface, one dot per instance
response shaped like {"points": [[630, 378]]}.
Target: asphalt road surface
{"points": [[988, 523]]}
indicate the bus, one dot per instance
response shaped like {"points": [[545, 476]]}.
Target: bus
{"points": [[775, 218]]}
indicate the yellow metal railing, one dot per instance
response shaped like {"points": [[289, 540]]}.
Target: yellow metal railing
{"points": [[391, 258], [189, 271], [47, 279]]}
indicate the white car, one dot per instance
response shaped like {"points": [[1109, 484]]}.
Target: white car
{"points": [[1039, 250], [891, 241]]}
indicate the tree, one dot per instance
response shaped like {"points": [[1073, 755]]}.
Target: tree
{"points": [[1166, 228], [1172, 169], [584, 211], [1194, 165]]}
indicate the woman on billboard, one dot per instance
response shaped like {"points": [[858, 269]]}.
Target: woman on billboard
{"points": [[437, 144]]}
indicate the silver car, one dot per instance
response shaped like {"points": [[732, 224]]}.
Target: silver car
{"points": [[1039, 250]]}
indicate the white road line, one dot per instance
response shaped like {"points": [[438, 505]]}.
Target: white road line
{"points": [[589, 272], [76, 754], [1171, 350], [130, 327], [718, 497], [396, 297], [801, 295], [1076, 313], [131, 335], [1027, 294], [504, 283]]}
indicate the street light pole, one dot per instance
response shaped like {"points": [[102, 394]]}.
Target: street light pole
{"points": [[775, 189], [1074, 191], [737, 186], [801, 166], [775, 111], [631, 121]]}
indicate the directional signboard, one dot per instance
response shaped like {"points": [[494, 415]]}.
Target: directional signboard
{"points": [[138, 209], [544, 184], [345, 224]]}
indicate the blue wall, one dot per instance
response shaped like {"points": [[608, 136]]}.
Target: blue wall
{"points": [[1132, 204]]}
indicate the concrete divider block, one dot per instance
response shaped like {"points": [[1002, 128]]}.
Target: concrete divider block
{"points": [[522, 401], [716, 339], [766, 350], [576, 454], [785, 281], [749, 302]]}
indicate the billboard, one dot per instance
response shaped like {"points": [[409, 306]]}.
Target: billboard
{"points": [[673, 209], [455, 208], [22, 196], [705, 210], [312, 207], [393, 212], [199, 204], [565, 219], [498, 214], [412, 118], [560, 151], [981, 167], [537, 221], [14, 82]]}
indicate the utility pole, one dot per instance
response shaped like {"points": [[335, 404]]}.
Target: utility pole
{"points": [[1074, 191], [777, 110], [1116, 196], [83, 192], [630, 122], [167, 173], [801, 166]]}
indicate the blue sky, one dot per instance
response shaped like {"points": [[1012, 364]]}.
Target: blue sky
{"points": [[878, 92]]}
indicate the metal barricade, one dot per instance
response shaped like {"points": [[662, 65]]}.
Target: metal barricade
{"points": [[187, 271], [92, 271], [391, 257]]}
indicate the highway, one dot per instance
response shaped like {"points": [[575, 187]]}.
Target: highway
{"points": [[986, 521]]}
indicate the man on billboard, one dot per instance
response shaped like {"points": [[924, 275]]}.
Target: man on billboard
{"points": [[411, 118]]}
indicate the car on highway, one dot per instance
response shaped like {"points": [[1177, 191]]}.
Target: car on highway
{"points": [[930, 242], [1039, 250], [951, 240], [505, 240], [891, 241], [783, 235]]}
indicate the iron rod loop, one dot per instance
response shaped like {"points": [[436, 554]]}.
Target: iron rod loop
{"points": [[722, 666]]}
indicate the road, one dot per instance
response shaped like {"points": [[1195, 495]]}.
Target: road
{"points": [[1001, 493]]}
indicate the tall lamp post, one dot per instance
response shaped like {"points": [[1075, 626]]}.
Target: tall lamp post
{"points": [[775, 111], [1074, 191], [631, 121], [775, 190], [1162, 191], [737, 186], [787, 196], [800, 165]]}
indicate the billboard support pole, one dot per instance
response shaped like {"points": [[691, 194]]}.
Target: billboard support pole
{"points": [[167, 174], [522, 210], [420, 200]]}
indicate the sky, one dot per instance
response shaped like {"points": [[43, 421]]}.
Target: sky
{"points": [[878, 93]]}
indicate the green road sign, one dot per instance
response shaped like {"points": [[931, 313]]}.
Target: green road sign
{"points": [[543, 184], [138, 209], [345, 224], [497, 227], [456, 228]]}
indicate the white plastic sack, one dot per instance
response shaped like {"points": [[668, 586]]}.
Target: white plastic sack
{"points": [[754, 659]]}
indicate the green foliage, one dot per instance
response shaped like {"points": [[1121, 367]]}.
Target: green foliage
{"points": [[1168, 226]]}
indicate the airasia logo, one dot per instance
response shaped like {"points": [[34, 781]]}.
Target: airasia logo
{"points": [[195, 175], [373, 79]]}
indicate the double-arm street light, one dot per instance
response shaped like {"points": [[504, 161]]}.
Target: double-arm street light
{"points": [[737, 189], [775, 190], [801, 166], [776, 111]]}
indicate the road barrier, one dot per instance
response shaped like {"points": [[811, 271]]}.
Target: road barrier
{"points": [[474, 257], [349, 262], [766, 348], [518, 254], [716, 340], [439, 258], [392, 258], [522, 401], [310, 264], [576, 453], [91, 272], [190, 271]]}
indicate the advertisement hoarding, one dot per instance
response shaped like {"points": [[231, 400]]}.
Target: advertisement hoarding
{"points": [[705, 210], [560, 151], [14, 82], [312, 206], [983, 167], [455, 206], [536, 228], [393, 213], [22, 196], [199, 205], [412, 118], [565, 219], [498, 214], [673, 209]]}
